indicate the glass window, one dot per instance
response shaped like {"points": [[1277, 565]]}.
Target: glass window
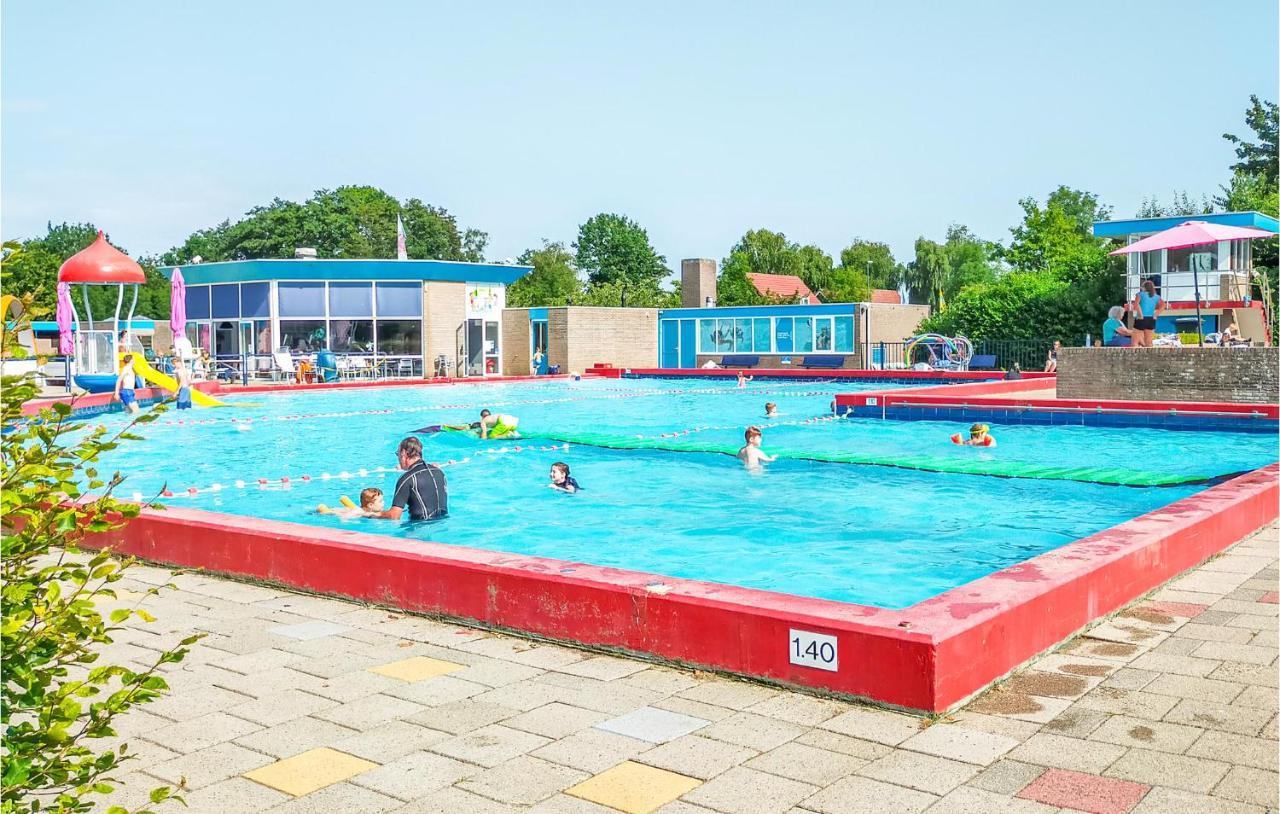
{"points": [[303, 335], [226, 301], [742, 336], [844, 334], [822, 333], [1194, 258], [198, 302], [226, 338], [399, 299], [400, 337], [262, 330], [762, 338], [301, 299], [804, 335], [351, 335], [724, 336], [350, 300], [783, 335], [253, 299], [706, 336]]}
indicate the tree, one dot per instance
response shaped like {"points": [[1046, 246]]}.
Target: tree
{"points": [[875, 261], [34, 271], [1055, 235], [816, 269], [1020, 305], [847, 285], [615, 250], [1258, 158], [761, 251], [350, 221], [553, 281], [970, 260], [1179, 204], [56, 700], [928, 272], [615, 295]]}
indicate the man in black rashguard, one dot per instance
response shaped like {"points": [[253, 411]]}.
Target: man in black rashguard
{"points": [[421, 489]]}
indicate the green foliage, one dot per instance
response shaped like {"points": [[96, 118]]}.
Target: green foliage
{"points": [[55, 700], [928, 273], [35, 272], [350, 221], [1059, 234], [1179, 204], [847, 285], [761, 251], [1258, 158], [615, 251], [616, 295], [875, 262], [1019, 305], [553, 281]]}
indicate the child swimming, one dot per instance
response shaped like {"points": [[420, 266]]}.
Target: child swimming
{"points": [[979, 436], [743, 379], [498, 425], [370, 505], [770, 410], [561, 480], [751, 454]]}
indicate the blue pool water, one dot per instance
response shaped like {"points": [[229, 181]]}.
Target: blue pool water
{"points": [[867, 534]]}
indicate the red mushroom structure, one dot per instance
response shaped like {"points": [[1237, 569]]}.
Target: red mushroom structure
{"points": [[96, 351]]}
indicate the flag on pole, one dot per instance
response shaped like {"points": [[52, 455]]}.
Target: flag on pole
{"points": [[402, 253]]}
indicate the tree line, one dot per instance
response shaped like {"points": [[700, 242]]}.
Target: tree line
{"points": [[1053, 278]]}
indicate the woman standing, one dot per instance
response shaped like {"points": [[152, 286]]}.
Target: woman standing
{"points": [[1145, 304]]}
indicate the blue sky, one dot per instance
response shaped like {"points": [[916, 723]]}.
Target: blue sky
{"points": [[828, 121]]}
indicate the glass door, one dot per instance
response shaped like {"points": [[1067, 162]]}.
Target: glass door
{"points": [[538, 345], [492, 359]]}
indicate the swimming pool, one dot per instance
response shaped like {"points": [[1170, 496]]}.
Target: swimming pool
{"points": [[871, 535]]}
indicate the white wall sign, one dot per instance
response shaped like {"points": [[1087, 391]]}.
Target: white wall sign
{"points": [[485, 300], [816, 650]]}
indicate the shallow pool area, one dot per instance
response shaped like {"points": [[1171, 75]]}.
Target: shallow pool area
{"points": [[865, 534]]}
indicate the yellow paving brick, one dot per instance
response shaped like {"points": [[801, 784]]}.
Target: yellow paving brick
{"points": [[417, 668], [309, 771], [634, 787]]}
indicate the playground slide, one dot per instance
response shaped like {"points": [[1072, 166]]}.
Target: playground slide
{"points": [[150, 374]]}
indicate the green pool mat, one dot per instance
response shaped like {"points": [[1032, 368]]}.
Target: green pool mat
{"points": [[993, 467]]}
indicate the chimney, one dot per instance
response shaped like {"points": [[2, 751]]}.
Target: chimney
{"points": [[302, 253], [697, 283]]}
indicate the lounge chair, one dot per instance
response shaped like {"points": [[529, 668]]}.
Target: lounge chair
{"points": [[284, 364], [983, 361]]}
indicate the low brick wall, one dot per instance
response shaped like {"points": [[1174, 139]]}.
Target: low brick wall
{"points": [[1237, 375]]}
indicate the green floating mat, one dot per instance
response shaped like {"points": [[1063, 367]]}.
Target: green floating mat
{"points": [[1113, 476]]}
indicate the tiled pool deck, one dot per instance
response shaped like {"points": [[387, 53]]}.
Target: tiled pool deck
{"points": [[295, 703]]}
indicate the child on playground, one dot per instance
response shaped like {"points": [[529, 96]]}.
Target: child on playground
{"points": [[751, 454], [561, 480]]}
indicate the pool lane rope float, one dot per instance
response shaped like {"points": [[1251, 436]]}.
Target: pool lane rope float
{"points": [[290, 481], [243, 420], [959, 465]]}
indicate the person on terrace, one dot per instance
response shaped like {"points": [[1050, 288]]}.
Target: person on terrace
{"points": [[1114, 332], [1146, 303], [1051, 361]]}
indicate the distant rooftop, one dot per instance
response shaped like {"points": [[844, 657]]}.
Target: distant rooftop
{"points": [[1149, 226], [786, 286]]}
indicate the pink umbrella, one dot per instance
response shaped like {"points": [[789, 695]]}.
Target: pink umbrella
{"points": [[65, 315], [177, 305], [1193, 233]]}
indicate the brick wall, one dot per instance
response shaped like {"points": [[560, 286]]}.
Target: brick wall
{"points": [[622, 337], [1238, 375], [445, 307], [893, 323], [516, 342]]}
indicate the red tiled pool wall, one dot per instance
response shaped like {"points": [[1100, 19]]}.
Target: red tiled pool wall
{"points": [[927, 657]]}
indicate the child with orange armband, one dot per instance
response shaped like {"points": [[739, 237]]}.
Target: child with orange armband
{"points": [[979, 436]]}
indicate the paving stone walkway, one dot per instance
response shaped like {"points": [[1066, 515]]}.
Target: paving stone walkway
{"points": [[294, 703]]}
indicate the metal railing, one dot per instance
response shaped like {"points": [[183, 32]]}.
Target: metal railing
{"points": [[1028, 354], [256, 367]]}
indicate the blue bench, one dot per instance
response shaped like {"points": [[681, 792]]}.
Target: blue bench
{"points": [[983, 362], [739, 361], [831, 362]]}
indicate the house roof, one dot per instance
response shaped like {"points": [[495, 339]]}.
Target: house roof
{"points": [[786, 286], [240, 271], [886, 296]]}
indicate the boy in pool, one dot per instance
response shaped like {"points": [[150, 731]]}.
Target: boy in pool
{"points": [[979, 436], [561, 480], [370, 506], [743, 379], [770, 410], [126, 382], [184, 385], [498, 425], [751, 454]]}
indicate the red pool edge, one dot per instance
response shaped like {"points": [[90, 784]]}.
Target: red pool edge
{"points": [[929, 657]]}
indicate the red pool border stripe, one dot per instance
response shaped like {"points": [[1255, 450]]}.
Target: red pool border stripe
{"points": [[928, 657], [606, 371]]}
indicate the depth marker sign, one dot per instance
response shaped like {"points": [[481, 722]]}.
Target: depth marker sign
{"points": [[816, 650]]}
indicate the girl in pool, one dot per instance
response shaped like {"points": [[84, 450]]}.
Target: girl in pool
{"points": [[561, 480], [979, 436]]}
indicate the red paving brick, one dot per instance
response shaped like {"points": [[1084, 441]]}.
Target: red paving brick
{"points": [[1271, 596], [1085, 792], [1189, 610]]}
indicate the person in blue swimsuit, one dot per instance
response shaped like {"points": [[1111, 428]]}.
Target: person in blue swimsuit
{"points": [[561, 480], [1146, 303]]}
